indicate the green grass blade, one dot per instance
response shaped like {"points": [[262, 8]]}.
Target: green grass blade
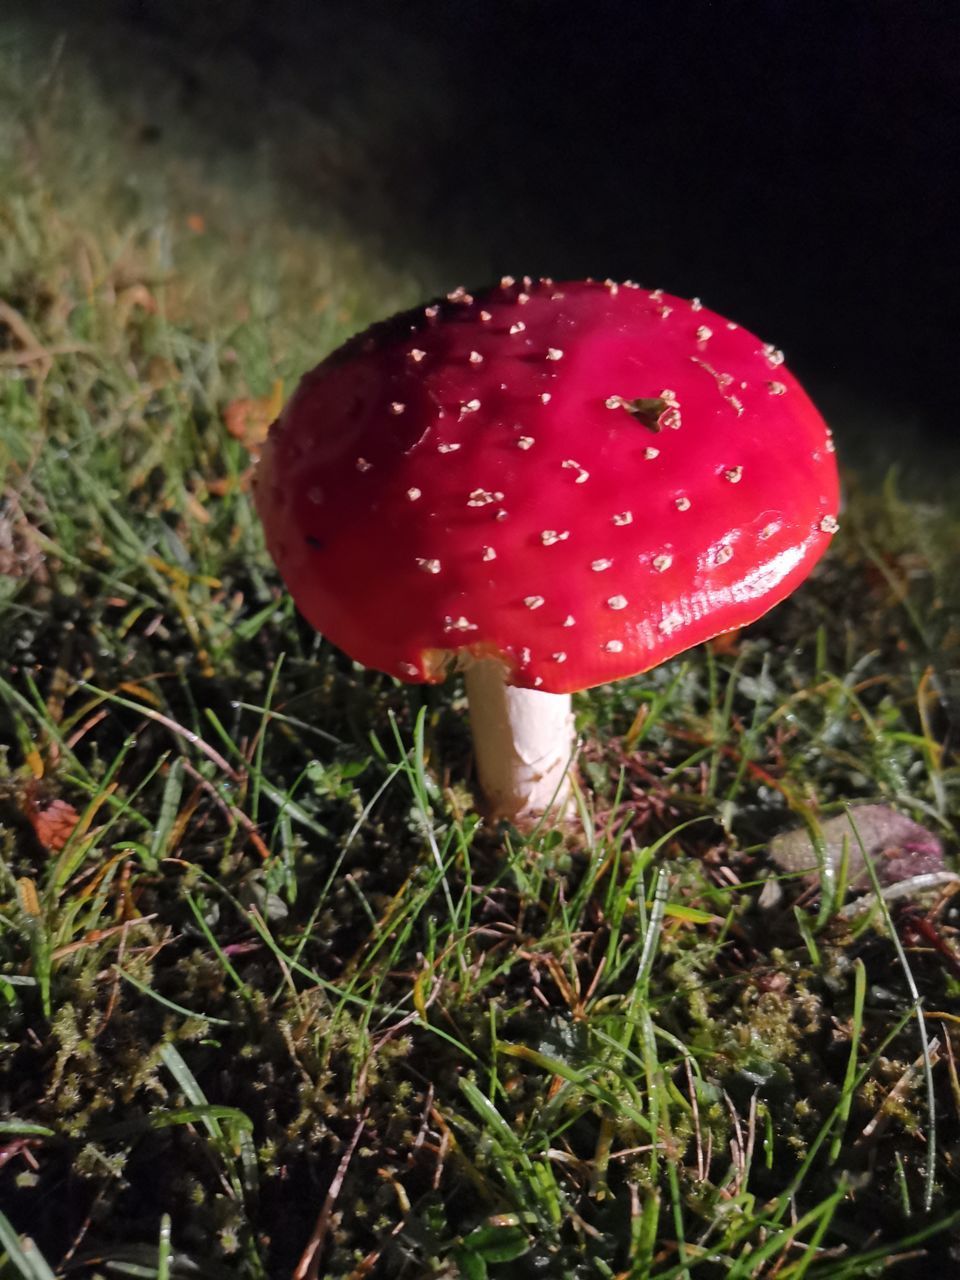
{"points": [[23, 1253]]}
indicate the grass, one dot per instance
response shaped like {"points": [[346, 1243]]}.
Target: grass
{"points": [[273, 1001]]}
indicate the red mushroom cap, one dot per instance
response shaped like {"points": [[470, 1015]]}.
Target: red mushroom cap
{"points": [[582, 478]]}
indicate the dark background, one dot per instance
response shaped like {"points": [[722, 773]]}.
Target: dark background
{"points": [[793, 162]]}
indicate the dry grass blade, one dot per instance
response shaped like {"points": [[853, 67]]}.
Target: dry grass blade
{"points": [[308, 1268]]}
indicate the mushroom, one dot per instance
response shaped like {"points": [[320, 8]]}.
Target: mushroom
{"points": [[549, 487]]}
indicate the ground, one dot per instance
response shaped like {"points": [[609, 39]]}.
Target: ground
{"points": [[274, 1001]]}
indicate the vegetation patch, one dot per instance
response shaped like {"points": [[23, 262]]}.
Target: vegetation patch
{"points": [[274, 1002]]}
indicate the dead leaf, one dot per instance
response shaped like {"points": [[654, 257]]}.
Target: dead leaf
{"points": [[231, 484], [54, 824], [725, 644], [21, 555], [899, 847], [248, 420], [136, 295], [161, 372]]}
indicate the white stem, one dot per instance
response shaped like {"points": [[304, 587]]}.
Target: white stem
{"points": [[523, 741]]}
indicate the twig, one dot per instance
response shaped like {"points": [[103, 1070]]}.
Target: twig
{"points": [[308, 1268], [952, 1069], [881, 1119], [695, 1111], [424, 1125], [231, 810], [900, 889], [737, 1147], [96, 936], [925, 1044], [43, 355], [181, 731], [15, 322]]}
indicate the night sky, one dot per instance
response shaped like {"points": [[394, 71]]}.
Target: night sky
{"points": [[793, 162]]}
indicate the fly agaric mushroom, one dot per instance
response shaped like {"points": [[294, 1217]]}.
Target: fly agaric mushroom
{"points": [[549, 486]]}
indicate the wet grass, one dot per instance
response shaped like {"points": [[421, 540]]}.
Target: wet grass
{"points": [[274, 1002]]}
